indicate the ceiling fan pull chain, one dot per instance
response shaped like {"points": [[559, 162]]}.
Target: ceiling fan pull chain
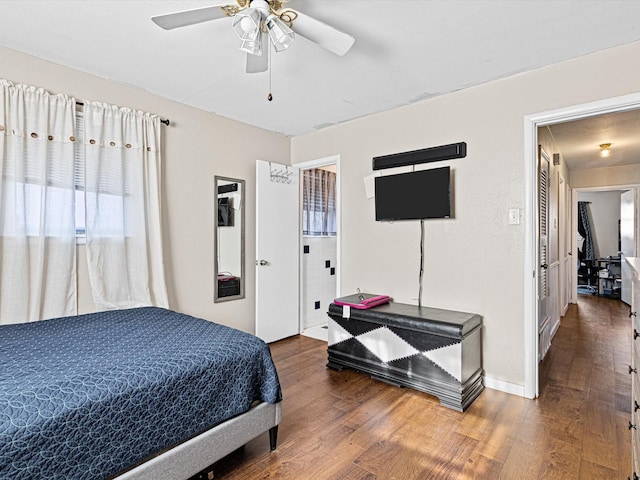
{"points": [[269, 97]]}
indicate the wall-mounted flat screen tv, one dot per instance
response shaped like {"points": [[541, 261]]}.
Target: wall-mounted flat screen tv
{"points": [[414, 196]]}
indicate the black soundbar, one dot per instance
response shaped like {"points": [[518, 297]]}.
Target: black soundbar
{"points": [[230, 187], [433, 154]]}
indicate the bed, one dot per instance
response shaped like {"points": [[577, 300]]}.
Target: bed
{"points": [[142, 393]]}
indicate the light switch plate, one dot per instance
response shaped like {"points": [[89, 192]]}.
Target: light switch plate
{"points": [[514, 216]]}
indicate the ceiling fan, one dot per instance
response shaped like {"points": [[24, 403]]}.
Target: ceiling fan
{"points": [[257, 22]]}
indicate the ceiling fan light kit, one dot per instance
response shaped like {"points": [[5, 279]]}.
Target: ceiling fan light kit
{"points": [[260, 16]]}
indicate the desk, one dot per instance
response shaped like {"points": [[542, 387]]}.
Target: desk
{"points": [[432, 350]]}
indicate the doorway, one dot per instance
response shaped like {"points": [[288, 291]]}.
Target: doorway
{"points": [[319, 243], [532, 242], [598, 214]]}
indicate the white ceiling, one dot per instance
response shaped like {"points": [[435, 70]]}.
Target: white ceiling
{"points": [[580, 140], [405, 51]]}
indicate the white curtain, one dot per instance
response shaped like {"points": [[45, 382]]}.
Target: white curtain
{"points": [[122, 188], [37, 227]]}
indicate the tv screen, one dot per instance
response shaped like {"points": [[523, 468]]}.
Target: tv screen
{"points": [[414, 196]]}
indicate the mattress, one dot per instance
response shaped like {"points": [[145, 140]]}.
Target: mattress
{"points": [[88, 396]]}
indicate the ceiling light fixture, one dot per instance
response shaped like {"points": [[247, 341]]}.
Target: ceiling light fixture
{"points": [[246, 24], [252, 46], [261, 17], [605, 150], [280, 34]]}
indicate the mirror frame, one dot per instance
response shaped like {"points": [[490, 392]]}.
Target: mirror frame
{"points": [[216, 182]]}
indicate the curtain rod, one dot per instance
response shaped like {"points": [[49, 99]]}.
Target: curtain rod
{"points": [[162, 120]]}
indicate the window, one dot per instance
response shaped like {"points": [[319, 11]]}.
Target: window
{"points": [[318, 202], [36, 184], [109, 191], [40, 189]]}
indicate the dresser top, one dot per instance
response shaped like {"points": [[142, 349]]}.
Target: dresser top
{"points": [[634, 263]]}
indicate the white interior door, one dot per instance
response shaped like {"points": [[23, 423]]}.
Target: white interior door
{"points": [[277, 226], [543, 254], [627, 240]]}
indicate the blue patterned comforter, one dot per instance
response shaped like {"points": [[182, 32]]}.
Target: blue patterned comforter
{"points": [[85, 397]]}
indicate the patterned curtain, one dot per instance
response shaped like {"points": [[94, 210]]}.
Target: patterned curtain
{"points": [[319, 202], [584, 229]]}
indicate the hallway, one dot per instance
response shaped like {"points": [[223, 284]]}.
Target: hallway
{"points": [[585, 383]]}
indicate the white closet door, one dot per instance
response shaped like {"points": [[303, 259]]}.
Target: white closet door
{"points": [[543, 255]]}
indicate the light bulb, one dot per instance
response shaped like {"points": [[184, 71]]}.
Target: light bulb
{"points": [[605, 150], [246, 24]]}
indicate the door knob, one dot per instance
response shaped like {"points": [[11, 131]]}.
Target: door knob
{"points": [[262, 263], [544, 265]]}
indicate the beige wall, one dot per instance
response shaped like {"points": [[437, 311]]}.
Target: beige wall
{"points": [[198, 145], [474, 262], [606, 176]]}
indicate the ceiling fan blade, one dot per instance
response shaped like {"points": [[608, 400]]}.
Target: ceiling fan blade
{"points": [[189, 17], [259, 63], [324, 35]]}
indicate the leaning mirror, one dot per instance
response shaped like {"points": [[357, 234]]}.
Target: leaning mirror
{"points": [[228, 239]]}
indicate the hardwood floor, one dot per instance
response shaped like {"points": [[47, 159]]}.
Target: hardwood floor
{"points": [[344, 425]]}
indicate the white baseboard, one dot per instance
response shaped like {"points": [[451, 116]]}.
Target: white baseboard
{"points": [[503, 386], [554, 328]]}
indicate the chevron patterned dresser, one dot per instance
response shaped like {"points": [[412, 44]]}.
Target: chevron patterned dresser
{"points": [[432, 350]]}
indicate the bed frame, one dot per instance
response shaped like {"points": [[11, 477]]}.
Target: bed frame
{"points": [[191, 457], [153, 451]]}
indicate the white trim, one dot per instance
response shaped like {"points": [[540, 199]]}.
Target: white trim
{"points": [[574, 244], [563, 246], [606, 188], [531, 124], [554, 329], [502, 386], [323, 162], [530, 389]]}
